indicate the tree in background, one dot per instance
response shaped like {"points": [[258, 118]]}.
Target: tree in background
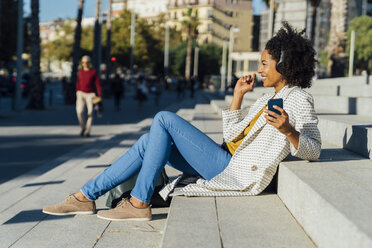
{"points": [[209, 57], [314, 4], [363, 42], [190, 25], [149, 43], [8, 34], [336, 42], [36, 100], [148, 49], [69, 91], [61, 49]]}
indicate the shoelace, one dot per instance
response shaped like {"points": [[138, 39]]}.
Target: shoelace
{"points": [[122, 202]]}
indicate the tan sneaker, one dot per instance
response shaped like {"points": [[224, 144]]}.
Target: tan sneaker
{"points": [[125, 211], [71, 205]]}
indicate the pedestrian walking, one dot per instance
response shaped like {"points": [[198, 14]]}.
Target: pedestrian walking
{"points": [[253, 147], [87, 88]]}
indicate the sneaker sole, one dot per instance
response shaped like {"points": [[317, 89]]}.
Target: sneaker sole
{"points": [[129, 219], [69, 213]]}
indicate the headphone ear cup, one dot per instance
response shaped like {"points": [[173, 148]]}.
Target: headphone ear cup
{"points": [[278, 66]]}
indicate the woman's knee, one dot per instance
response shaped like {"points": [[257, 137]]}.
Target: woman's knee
{"points": [[164, 116]]}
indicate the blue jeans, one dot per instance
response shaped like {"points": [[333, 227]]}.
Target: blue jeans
{"points": [[171, 140]]}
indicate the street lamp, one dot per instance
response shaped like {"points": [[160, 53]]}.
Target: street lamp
{"points": [[223, 67], [231, 47], [351, 57]]}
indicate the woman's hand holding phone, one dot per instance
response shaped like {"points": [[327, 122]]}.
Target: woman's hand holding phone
{"points": [[245, 84], [278, 118]]}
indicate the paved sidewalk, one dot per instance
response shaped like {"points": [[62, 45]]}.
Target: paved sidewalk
{"points": [[31, 138], [21, 199]]}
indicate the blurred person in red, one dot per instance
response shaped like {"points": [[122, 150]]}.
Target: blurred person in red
{"points": [[87, 88]]}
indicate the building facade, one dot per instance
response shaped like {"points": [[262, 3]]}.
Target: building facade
{"points": [[143, 8], [216, 17]]}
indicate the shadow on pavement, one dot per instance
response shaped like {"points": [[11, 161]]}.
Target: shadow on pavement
{"points": [[35, 215], [43, 183]]}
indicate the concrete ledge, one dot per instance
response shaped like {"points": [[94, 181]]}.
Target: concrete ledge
{"points": [[351, 132], [258, 221], [192, 222], [344, 104], [332, 200]]}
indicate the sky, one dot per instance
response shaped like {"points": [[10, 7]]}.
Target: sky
{"points": [[54, 9]]}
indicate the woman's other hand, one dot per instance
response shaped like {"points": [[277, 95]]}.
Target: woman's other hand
{"points": [[281, 122], [244, 84]]}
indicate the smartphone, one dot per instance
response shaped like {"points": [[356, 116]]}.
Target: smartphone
{"points": [[278, 102]]}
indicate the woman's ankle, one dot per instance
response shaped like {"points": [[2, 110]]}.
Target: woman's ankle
{"points": [[80, 196], [137, 203]]}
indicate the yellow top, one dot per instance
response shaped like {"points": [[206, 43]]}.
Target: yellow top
{"points": [[233, 145]]}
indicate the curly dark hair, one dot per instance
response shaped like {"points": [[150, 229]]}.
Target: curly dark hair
{"points": [[298, 62]]}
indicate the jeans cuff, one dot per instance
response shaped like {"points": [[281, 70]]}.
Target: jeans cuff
{"points": [[139, 198], [86, 196]]}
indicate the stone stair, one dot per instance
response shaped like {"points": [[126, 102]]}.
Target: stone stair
{"points": [[262, 221], [326, 203]]}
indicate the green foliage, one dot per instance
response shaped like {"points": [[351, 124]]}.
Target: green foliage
{"points": [[190, 22], [209, 59], [323, 59], [61, 48], [177, 57], [363, 42]]}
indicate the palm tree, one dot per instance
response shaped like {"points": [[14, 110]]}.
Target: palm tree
{"points": [[1, 4], [69, 91], [108, 40], [37, 87], [337, 35], [190, 24], [97, 38]]}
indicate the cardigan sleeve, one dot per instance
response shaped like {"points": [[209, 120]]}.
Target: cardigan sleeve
{"points": [[229, 119], [306, 123]]}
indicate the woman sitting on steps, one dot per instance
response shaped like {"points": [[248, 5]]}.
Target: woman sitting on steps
{"points": [[255, 144]]}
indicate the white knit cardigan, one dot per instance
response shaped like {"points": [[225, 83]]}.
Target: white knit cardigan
{"points": [[255, 161]]}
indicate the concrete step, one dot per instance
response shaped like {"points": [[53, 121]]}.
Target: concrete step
{"points": [[330, 198], [344, 104], [343, 81], [351, 132], [334, 104], [352, 87], [333, 213], [261, 221], [363, 90]]}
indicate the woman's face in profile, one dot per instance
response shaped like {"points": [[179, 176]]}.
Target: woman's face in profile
{"points": [[270, 76]]}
